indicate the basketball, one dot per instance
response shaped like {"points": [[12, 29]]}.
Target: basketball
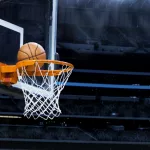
{"points": [[31, 51]]}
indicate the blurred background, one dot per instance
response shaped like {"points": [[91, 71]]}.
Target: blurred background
{"points": [[97, 32], [106, 103]]}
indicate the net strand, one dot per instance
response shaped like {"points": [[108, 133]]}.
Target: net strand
{"points": [[41, 96]]}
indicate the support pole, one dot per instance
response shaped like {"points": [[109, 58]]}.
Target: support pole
{"points": [[53, 31], [53, 39]]}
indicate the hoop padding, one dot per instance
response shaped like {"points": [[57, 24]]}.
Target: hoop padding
{"points": [[42, 88]]}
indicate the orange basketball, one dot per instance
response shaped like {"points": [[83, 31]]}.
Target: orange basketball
{"points": [[31, 51]]}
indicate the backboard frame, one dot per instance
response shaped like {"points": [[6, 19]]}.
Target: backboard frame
{"points": [[14, 28]]}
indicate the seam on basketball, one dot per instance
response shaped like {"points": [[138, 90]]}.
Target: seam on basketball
{"points": [[30, 49], [32, 57], [25, 53], [36, 50]]}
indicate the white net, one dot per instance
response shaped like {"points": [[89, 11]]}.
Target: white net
{"points": [[41, 93]]}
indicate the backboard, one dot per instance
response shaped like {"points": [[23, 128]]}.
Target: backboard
{"points": [[11, 38]]}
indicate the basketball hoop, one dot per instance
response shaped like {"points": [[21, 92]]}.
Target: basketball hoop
{"points": [[41, 88]]}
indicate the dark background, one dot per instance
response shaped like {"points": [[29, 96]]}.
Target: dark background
{"points": [[107, 34], [108, 43]]}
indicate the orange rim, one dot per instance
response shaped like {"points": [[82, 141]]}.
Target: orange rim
{"points": [[26, 63], [8, 73]]}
